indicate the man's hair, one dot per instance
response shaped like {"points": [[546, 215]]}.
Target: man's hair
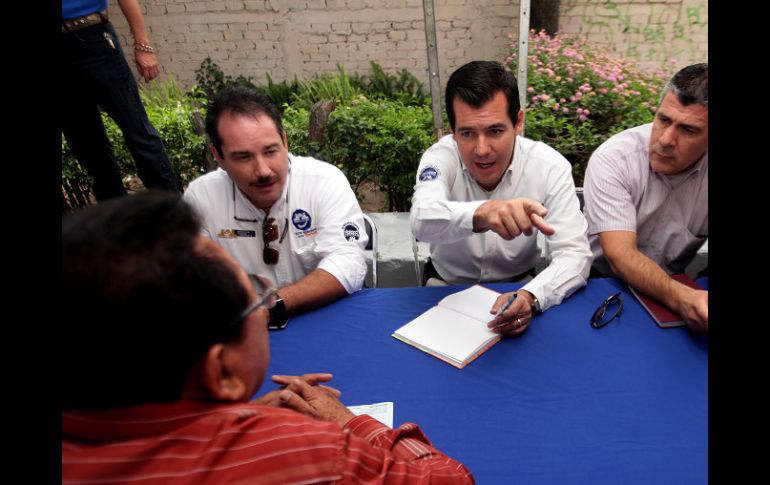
{"points": [[241, 101], [690, 85], [476, 83], [141, 305]]}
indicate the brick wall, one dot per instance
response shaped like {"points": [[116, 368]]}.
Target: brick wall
{"points": [[304, 37], [658, 33]]}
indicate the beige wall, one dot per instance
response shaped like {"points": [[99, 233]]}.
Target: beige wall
{"points": [[304, 37]]}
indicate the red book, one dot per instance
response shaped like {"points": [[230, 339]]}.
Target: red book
{"points": [[663, 315]]}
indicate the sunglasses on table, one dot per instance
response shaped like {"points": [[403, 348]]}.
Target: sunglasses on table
{"points": [[607, 311]]}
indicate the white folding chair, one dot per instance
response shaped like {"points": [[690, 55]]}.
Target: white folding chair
{"points": [[371, 231]]}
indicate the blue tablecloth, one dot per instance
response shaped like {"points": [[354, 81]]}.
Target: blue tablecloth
{"points": [[564, 403]]}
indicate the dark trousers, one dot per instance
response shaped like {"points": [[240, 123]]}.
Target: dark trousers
{"points": [[94, 75]]}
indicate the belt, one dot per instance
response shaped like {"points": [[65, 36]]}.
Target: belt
{"points": [[72, 25]]}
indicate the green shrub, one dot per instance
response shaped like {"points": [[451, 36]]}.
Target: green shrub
{"points": [[340, 87], [579, 96], [377, 141], [405, 87]]}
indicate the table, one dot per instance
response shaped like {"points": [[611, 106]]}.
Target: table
{"points": [[564, 403]]}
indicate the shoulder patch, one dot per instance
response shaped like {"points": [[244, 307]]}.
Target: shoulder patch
{"points": [[429, 173], [351, 231]]}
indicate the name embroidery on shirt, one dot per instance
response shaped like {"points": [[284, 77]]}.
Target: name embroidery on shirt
{"points": [[235, 233]]}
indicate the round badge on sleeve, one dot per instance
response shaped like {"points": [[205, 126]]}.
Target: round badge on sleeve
{"points": [[351, 231], [428, 174]]}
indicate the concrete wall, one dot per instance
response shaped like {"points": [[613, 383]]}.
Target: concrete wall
{"points": [[304, 37]]}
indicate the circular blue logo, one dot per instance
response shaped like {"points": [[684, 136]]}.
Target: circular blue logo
{"points": [[351, 232], [428, 173], [301, 220]]}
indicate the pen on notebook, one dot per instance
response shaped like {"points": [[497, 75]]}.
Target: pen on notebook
{"points": [[506, 305]]}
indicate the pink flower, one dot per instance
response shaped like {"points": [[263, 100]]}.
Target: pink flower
{"points": [[565, 110], [603, 90], [530, 89], [583, 117]]}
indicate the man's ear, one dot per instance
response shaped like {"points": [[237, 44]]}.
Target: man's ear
{"points": [[519, 126], [218, 380], [217, 155], [285, 143]]}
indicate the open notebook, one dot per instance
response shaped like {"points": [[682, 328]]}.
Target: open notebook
{"points": [[455, 330], [664, 316]]}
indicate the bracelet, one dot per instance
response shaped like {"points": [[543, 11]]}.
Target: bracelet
{"points": [[144, 47]]}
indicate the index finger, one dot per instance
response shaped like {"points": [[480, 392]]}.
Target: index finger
{"points": [[540, 223], [312, 378]]}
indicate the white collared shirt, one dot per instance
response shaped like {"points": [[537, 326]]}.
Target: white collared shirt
{"points": [[322, 220], [669, 214], [446, 196]]}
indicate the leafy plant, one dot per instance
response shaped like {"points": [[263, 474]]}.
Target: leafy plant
{"points": [[339, 87], [210, 79], [580, 96], [378, 141], [405, 87]]}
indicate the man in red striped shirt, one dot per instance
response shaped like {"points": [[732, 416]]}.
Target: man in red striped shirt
{"points": [[167, 342]]}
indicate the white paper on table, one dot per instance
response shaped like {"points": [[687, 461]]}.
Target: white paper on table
{"points": [[381, 411]]}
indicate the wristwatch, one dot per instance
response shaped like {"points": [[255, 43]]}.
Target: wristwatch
{"points": [[279, 317]]}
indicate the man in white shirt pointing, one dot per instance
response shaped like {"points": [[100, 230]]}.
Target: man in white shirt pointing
{"points": [[483, 192], [292, 219]]}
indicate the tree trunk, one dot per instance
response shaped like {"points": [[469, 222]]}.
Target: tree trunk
{"points": [[544, 15], [319, 115]]}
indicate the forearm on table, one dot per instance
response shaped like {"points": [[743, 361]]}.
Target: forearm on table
{"points": [[314, 290]]}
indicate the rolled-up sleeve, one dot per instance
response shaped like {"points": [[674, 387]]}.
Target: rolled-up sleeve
{"points": [[342, 258]]}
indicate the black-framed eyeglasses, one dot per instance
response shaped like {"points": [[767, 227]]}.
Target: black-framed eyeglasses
{"points": [[266, 297], [607, 311], [270, 234]]}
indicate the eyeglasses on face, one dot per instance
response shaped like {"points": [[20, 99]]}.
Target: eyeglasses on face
{"points": [[270, 234], [266, 297], [607, 311]]}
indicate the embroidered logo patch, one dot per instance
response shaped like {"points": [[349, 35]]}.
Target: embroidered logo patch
{"points": [[429, 173], [350, 231], [301, 220]]}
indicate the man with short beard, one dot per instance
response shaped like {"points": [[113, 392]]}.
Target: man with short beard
{"points": [[293, 219]]}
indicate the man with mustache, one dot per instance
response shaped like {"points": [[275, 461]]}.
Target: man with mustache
{"points": [[646, 197], [483, 192], [293, 219]]}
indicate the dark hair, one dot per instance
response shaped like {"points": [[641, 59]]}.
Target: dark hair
{"points": [[141, 305], [690, 85], [477, 82], [238, 100]]}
